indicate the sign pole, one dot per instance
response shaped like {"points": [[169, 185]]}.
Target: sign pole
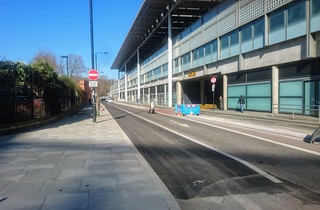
{"points": [[213, 81]]}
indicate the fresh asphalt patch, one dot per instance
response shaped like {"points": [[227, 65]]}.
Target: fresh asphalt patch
{"points": [[190, 170]]}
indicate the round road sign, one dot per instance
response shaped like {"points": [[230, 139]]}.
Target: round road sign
{"points": [[93, 74]]}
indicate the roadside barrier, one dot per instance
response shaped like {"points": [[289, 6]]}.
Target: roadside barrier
{"points": [[187, 109]]}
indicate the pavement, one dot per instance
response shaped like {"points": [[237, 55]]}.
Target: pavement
{"points": [[77, 164]]}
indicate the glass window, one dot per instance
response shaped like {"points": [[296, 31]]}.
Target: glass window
{"points": [[224, 43], [196, 25], [208, 52], [315, 15], [277, 27], [234, 43], [164, 70], [176, 64], [246, 38], [296, 20], [195, 58], [185, 62], [291, 89], [258, 36], [259, 90], [214, 50], [236, 91], [201, 56]]}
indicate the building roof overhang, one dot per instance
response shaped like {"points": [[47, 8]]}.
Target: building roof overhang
{"points": [[150, 27]]}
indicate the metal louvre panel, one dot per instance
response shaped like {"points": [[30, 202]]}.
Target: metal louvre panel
{"points": [[273, 4], [227, 16], [210, 33], [196, 41], [176, 52], [185, 47], [164, 58], [211, 17], [250, 9], [227, 24]]}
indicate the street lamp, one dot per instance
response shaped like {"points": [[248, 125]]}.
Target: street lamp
{"points": [[67, 57], [96, 54]]}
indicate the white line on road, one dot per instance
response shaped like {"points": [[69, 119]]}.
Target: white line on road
{"points": [[260, 138], [175, 122], [256, 169]]}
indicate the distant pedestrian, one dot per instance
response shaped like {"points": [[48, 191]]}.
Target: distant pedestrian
{"points": [[151, 107], [242, 103], [221, 102]]}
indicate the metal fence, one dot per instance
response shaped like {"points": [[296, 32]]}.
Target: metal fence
{"points": [[22, 104], [296, 110]]}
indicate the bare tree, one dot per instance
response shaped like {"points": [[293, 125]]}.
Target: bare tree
{"points": [[73, 66], [48, 56], [76, 65]]}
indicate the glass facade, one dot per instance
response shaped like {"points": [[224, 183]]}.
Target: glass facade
{"points": [[314, 15], [291, 97], [257, 96], [185, 60], [287, 23], [277, 31]]}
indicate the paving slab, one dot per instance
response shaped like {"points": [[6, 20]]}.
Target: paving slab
{"points": [[77, 164]]}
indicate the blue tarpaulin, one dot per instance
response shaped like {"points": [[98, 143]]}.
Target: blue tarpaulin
{"points": [[187, 109]]}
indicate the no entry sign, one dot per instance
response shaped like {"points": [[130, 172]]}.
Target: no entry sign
{"points": [[93, 74]]}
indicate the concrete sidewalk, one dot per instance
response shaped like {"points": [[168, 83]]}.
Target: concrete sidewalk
{"points": [[78, 164]]}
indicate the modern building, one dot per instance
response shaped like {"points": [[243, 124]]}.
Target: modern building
{"points": [[266, 50]]}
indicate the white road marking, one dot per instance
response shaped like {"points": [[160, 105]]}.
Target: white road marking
{"points": [[256, 169], [175, 122], [260, 138]]}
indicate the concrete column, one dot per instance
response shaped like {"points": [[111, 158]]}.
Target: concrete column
{"points": [[165, 94], [202, 82], [148, 94], [118, 89], [179, 92], [225, 92], [125, 84], [142, 100], [138, 72], [310, 41], [275, 90], [156, 94], [169, 60]]}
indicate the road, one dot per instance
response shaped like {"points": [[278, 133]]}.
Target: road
{"points": [[225, 165]]}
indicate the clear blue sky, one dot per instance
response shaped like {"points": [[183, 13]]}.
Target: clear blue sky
{"points": [[63, 27]]}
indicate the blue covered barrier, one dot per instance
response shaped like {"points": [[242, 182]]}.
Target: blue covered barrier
{"points": [[187, 109]]}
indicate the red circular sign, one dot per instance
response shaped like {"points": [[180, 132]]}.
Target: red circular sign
{"points": [[213, 80], [93, 74]]}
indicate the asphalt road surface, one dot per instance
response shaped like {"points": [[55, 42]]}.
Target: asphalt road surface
{"points": [[223, 166]]}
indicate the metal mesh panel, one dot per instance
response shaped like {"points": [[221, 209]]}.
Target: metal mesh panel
{"points": [[250, 9], [272, 4]]}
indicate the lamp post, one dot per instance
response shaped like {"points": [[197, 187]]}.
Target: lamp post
{"points": [[94, 116], [67, 57], [96, 55]]}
